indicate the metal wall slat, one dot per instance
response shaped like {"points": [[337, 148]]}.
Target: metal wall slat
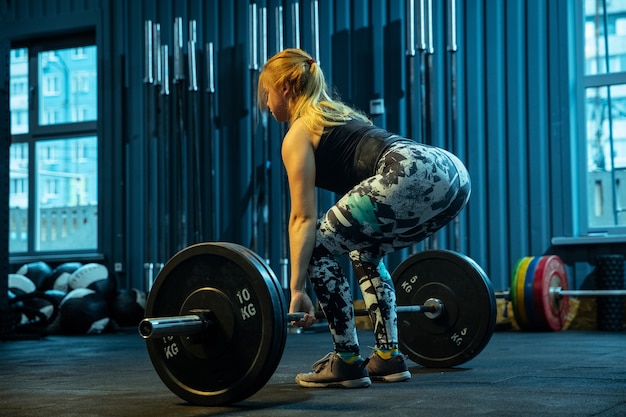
{"points": [[538, 150], [461, 145], [561, 140], [438, 78], [393, 60], [361, 57], [496, 131], [340, 69], [516, 132], [474, 107]]}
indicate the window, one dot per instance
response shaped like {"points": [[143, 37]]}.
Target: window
{"points": [[605, 113], [53, 201], [68, 83]]}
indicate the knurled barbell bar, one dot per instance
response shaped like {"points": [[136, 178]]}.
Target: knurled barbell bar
{"points": [[560, 292], [200, 322], [539, 293], [215, 318]]}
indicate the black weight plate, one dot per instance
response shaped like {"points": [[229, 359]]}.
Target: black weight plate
{"points": [[281, 337], [469, 316], [240, 352], [267, 268]]}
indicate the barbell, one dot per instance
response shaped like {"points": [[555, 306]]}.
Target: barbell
{"points": [[539, 293], [215, 318], [199, 321]]}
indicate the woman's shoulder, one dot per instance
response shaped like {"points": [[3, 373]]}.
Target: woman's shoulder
{"points": [[300, 133]]}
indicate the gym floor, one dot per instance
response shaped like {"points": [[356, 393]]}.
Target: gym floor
{"points": [[578, 373]]}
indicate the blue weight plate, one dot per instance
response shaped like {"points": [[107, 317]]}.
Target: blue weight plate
{"points": [[534, 322]]}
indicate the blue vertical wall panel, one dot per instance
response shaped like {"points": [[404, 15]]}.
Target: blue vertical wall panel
{"points": [[378, 8], [393, 60], [473, 40], [538, 134], [560, 136], [496, 132], [458, 125], [516, 132]]}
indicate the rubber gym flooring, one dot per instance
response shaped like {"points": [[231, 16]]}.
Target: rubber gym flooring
{"points": [[574, 373]]}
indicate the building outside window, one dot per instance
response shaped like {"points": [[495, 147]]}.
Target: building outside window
{"points": [[604, 84], [53, 201]]}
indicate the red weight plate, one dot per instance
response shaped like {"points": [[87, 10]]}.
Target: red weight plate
{"points": [[550, 307]]}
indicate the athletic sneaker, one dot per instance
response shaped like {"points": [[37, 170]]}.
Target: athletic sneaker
{"points": [[388, 370], [331, 371]]}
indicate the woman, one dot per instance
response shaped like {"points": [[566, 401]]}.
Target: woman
{"points": [[395, 192]]}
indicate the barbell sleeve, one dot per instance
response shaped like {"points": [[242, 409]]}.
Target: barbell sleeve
{"points": [[573, 293], [295, 25], [587, 293], [315, 30], [147, 51], [178, 50], [210, 69], [171, 326], [410, 28]]}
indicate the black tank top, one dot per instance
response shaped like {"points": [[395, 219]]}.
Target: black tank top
{"points": [[349, 153]]}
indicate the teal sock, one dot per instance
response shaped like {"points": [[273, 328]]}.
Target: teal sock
{"points": [[387, 353], [349, 357]]}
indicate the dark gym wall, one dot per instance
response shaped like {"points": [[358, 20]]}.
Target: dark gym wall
{"points": [[507, 116]]}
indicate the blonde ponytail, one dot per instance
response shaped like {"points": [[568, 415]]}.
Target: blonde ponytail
{"points": [[310, 99]]}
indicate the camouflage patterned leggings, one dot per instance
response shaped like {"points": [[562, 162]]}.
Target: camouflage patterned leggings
{"points": [[417, 190]]}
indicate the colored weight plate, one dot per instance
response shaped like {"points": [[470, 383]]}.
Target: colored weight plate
{"points": [[469, 316], [521, 279], [533, 320], [517, 294], [244, 345], [549, 306], [513, 289]]}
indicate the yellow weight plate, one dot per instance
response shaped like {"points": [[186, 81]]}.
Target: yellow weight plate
{"points": [[517, 292]]}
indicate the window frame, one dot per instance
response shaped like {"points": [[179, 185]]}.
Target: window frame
{"points": [[38, 133], [585, 82]]}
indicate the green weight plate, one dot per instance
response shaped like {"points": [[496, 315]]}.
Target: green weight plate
{"points": [[468, 320], [513, 289], [550, 308], [519, 309], [243, 347]]}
